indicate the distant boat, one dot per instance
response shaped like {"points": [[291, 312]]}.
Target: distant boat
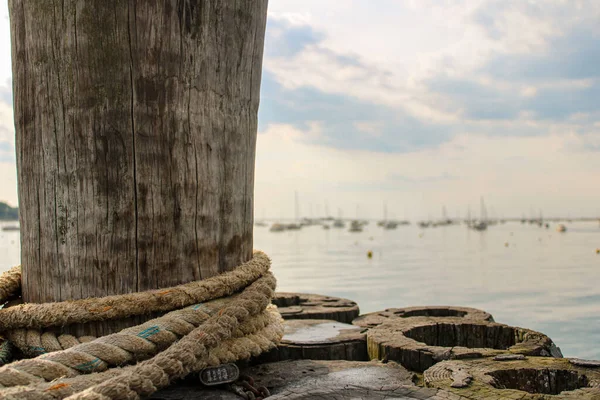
{"points": [[260, 223], [385, 223], [11, 228], [355, 226], [293, 227], [339, 223], [479, 226], [390, 225], [325, 226], [445, 221], [277, 227], [470, 220], [561, 228], [482, 224]]}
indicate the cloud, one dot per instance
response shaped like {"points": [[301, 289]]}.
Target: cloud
{"points": [[6, 95], [286, 38], [421, 179], [512, 173], [312, 64], [346, 122], [474, 100], [486, 66], [550, 76], [573, 56]]}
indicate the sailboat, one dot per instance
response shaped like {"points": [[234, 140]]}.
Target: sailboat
{"points": [[261, 222], [296, 225], [338, 223], [385, 223], [469, 220], [482, 224], [445, 220], [355, 226]]}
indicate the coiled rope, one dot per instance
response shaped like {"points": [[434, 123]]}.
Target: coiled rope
{"points": [[210, 322]]}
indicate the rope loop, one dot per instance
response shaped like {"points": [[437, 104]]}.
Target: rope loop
{"points": [[221, 319]]}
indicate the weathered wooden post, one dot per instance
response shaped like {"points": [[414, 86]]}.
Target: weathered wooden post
{"points": [[135, 133]]}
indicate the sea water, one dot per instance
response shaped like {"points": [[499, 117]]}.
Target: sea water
{"points": [[522, 274]]}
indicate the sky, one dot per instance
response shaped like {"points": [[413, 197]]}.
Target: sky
{"points": [[416, 104]]}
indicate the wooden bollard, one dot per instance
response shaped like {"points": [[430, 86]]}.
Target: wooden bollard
{"points": [[319, 340], [377, 318], [418, 343], [528, 378], [136, 126], [315, 306]]}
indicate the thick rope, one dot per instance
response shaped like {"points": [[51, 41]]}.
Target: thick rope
{"points": [[159, 333], [189, 354], [10, 284], [173, 345], [127, 305], [6, 351], [256, 338], [125, 347]]}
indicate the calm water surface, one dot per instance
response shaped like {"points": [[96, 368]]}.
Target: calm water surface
{"points": [[543, 280]]}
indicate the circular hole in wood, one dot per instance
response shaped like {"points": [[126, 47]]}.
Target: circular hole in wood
{"points": [[542, 381], [465, 335], [432, 312]]}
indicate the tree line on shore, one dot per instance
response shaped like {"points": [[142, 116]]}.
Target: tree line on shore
{"points": [[8, 213]]}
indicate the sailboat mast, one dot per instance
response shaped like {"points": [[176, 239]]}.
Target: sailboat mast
{"points": [[483, 213], [296, 209]]}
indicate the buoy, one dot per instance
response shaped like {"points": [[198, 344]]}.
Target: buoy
{"points": [[506, 244], [597, 251], [420, 235], [370, 254]]}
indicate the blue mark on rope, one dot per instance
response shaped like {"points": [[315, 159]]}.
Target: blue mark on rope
{"points": [[37, 349], [202, 307], [88, 366], [146, 333]]}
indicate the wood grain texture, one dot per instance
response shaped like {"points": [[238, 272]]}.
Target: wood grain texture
{"points": [[420, 342], [315, 306], [532, 378], [135, 133], [377, 318], [328, 379]]}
